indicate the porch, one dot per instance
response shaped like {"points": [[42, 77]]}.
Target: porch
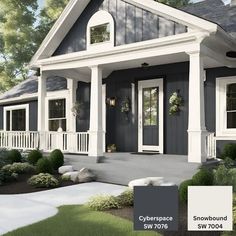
{"points": [[120, 168]]}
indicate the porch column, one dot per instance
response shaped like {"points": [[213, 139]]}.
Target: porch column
{"points": [[196, 127], [42, 91], [95, 129]]}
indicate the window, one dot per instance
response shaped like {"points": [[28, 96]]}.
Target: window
{"points": [[100, 33], [57, 114], [16, 118], [231, 106], [226, 106]]}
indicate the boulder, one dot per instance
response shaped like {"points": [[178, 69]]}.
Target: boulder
{"points": [[155, 181], [139, 182], [85, 175], [64, 169], [167, 184], [73, 176]]}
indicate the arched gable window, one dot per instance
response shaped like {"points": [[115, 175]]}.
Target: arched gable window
{"points": [[100, 31]]}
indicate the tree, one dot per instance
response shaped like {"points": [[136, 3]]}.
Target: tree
{"points": [[175, 3]]}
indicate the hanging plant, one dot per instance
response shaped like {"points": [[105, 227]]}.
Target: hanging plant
{"points": [[76, 109], [176, 102], [125, 105]]}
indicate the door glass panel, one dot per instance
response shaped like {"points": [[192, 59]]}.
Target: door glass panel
{"points": [[231, 106], [150, 107], [8, 120]]}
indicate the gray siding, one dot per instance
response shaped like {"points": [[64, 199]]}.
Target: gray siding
{"points": [[33, 114], [132, 24]]}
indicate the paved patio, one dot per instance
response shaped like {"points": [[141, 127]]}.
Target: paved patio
{"points": [[120, 168]]}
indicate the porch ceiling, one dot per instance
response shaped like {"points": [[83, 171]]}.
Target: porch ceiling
{"points": [[84, 73]]}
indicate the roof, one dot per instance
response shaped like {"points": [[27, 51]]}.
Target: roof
{"points": [[217, 12], [30, 86]]}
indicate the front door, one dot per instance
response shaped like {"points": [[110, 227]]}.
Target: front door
{"points": [[150, 115]]}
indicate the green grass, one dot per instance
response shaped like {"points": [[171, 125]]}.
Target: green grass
{"points": [[80, 221]]}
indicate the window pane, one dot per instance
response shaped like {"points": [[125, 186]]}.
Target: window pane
{"points": [[146, 107], [57, 108], [231, 97], [231, 120], [54, 125], [8, 120], [100, 33], [18, 120], [154, 106]]}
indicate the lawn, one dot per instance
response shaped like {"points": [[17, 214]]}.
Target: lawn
{"points": [[80, 221]]}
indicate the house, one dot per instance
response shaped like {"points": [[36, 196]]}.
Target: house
{"points": [[117, 64]]}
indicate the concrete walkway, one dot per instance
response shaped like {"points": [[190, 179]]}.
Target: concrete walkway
{"points": [[19, 210]]}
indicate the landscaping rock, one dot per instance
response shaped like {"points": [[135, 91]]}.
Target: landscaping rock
{"points": [[64, 169], [73, 176], [167, 184], [139, 182], [85, 175], [155, 181]]}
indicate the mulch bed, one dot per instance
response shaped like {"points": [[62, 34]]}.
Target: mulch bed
{"points": [[127, 213], [21, 186]]}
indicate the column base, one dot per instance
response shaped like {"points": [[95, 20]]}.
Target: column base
{"points": [[96, 143], [197, 146]]}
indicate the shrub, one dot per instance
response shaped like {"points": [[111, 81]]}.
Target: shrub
{"points": [[14, 156], [19, 168], [34, 156], [103, 202], [43, 180], [229, 151], [44, 166], [183, 190], [57, 159], [203, 177], [126, 198], [4, 158], [6, 176]]}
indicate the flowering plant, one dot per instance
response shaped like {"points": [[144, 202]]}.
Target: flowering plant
{"points": [[76, 109], [176, 102], [125, 105]]}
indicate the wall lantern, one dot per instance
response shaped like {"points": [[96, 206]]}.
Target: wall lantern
{"points": [[111, 101]]}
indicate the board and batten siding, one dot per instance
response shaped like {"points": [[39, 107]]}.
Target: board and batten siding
{"points": [[132, 24], [33, 114]]}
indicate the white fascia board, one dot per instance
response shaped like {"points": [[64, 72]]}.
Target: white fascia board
{"points": [[174, 14], [60, 29], [28, 97], [175, 40]]}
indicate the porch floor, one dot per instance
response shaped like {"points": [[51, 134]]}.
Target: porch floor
{"points": [[120, 168]]}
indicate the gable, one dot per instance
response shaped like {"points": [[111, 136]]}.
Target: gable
{"points": [[132, 24]]}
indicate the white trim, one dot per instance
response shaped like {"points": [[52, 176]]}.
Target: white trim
{"points": [[221, 116], [12, 108], [104, 112], [100, 18], [22, 98], [147, 84]]}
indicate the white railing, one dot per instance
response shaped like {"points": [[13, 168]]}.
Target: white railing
{"points": [[19, 140], [211, 145], [47, 141]]}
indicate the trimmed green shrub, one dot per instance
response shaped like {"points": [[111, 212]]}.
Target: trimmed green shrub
{"points": [[19, 168], [183, 190], [4, 158], [43, 180], [203, 177], [221, 176], [126, 198], [103, 202], [14, 156], [6, 176], [57, 159], [44, 166], [229, 151], [34, 156]]}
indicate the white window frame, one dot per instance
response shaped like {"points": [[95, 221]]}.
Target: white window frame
{"points": [[55, 95], [100, 18], [221, 107], [12, 108]]}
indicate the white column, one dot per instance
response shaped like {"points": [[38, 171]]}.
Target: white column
{"points": [[196, 128], [42, 91], [96, 130]]}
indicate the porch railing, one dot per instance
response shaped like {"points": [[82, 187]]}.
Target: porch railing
{"points": [[211, 145], [47, 141]]}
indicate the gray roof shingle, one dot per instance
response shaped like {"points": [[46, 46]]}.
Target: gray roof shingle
{"points": [[217, 12], [30, 86]]}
